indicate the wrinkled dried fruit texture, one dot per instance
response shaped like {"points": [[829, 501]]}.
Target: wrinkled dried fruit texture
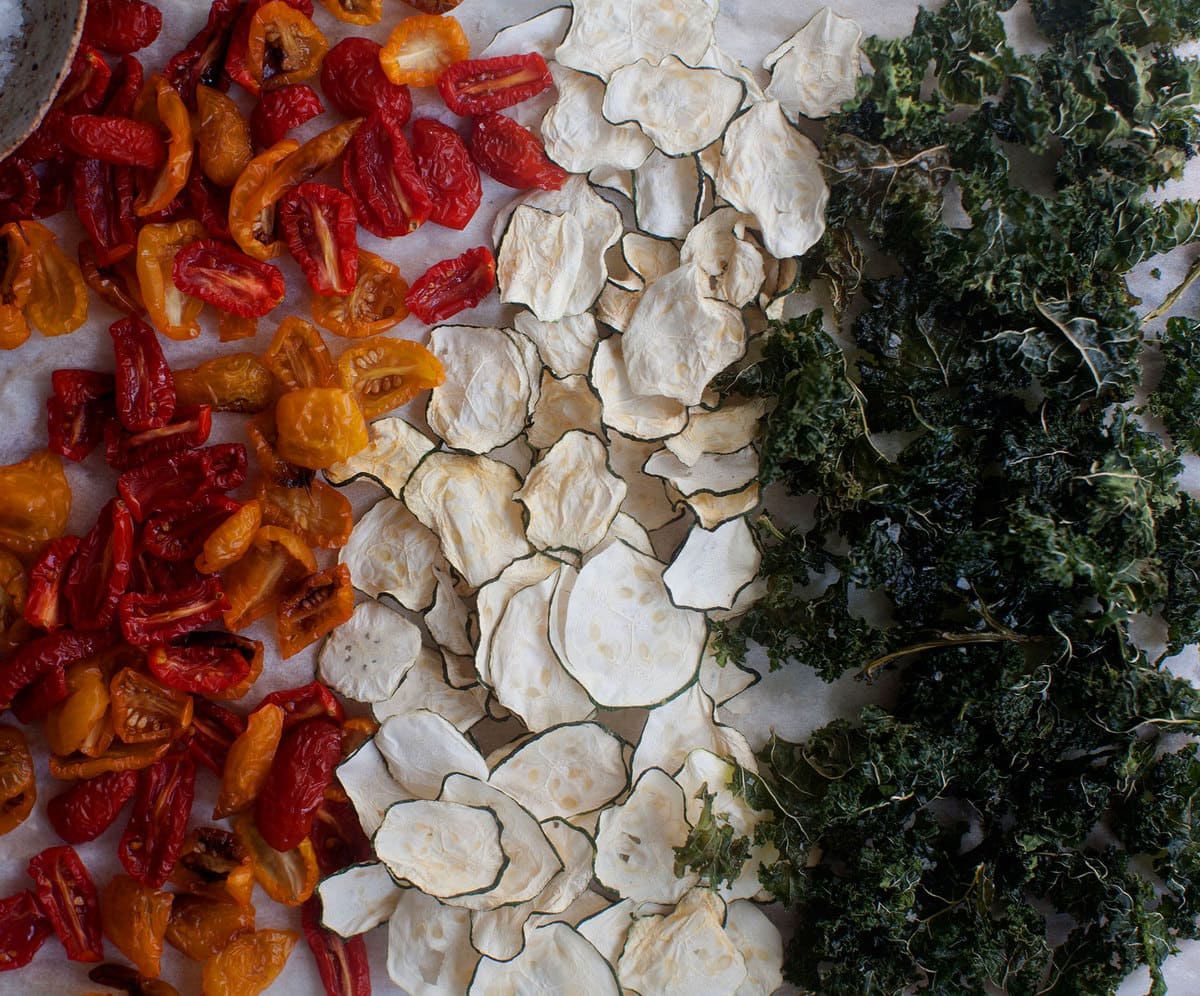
{"points": [[144, 385], [104, 205], [213, 731], [476, 86], [376, 304], [320, 228], [14, 592], [284, 46], [19, 188], [219, 665], [35, 501], [231, 539], [158, 618], [184, 476], [306, 702], [135, 917], [161, 106], [213, 864], [99, 571], [127, 980], [353, 81], [67, 896], [249, 964], [201, 61], [89, 807], [230, 328], [45, 607], [201, 927], [120, 141], [153, 838], [234, 382], [319, 426], [298, 356], [189, 429], [381, 177], [57, 302], [318, 604], [421, 48], [255, 583], [79, 410], [295, 785], [172, 311], [18, 790], [320, 514], [386, 373], [216, 272], [115, 285], [512, 154], [355, 11], [16, 286], [249, 760], [337, 834], [178, 532], [121, 26], [222, 137], [81, 721], [279, 111], [341, 962], [450, 175], [23, 929], [147, 711], [453, 285], [288, 877]]}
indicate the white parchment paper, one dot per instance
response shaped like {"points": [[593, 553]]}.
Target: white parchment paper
{"points": [[792, 701]]}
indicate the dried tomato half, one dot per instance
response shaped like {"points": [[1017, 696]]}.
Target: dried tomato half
{"points": [[57, 303], [120, 141], [279, 111], [249, 761], [421, 48], [255, 582], [201, 927], [117, 757], [39, 657], [189, 429], [99, 571], [145, 387], [452, 285], [16, 286], [35, 500], [23, 929], [353, 81], [298, 356], [182, 476], [67, 896], [115, 285], [89, 807], [512, 154], [153, 839], [288, 877], [18, 790], [161, 106], [172, 311], [380, 175], [129, 981], [320, 227], [104, 205], [319, 426], [320, 514], [201, 61], [355, 11], [128, 79], [134, 917], [145, 710], [217, 273], [81, 721], [386, 373], [319, 603], [337, 835], [283, 46], [294, 787], [213, 731], [374, 305], [44, 604], [121, 26], [341, 962], [477, 86], [147, 619], [210, 205], [214, 864], [305, 703], [232, 538], [82, 404], [249, 963], [234, 382], [222, 137], [450, 175], [206, 663], [19, 189], [179, 532]]}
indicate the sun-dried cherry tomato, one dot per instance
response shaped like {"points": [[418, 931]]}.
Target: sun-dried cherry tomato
{"points": [[379, 173], [178, 532], [202, 927], [235, 382], [121, 26], [283, 46], [89, 807], [279, 111], [215, 865], [249, 761], [320, 514], [205, 663], [81, 405], [231, 539], [57, 303], [264, 438], [304, 703], [104, 206], [23, 929], [298, 356], [19, 189], [35, 701], [315, 606], [288, 877], [128, 79], [374, 305], [450, 175], [39, 657], [99, 571], [217, 273], [160, 105], [147, 619], [115, 285], [230, 328], [512, 154], [67, 896], [353, 81], [210, 204], [237, 66], [295, 785], [134, 917], [16, 286], [82, 92], [144, 710], [214, 728], [476, 86], [18, 790], [420, 48], [355, 11], [222, 137], [452, 285], [120, 141], [182, 476], [44, 605], [189, 429], [171, 311], [35, 500], [153, 840], [385, 373], [202, 60], [81, 721], [145, 388], [338, 837], [341, 962], [129, 981], [256, 581], [249, 963], [320, 229], [320, 426]]}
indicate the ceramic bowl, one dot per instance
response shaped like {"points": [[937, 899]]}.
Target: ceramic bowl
{"points": [[41, 57]]}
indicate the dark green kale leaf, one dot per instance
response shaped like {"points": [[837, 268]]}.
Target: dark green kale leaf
{"points": [[714, 850], [1176, 400]]}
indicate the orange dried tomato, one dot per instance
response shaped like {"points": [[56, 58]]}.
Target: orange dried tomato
{"points": [[231, 539], [355, 732], [18, 789], [78, 721], [144, 710], [222, 137], [375, 305], [159, 104], [297, 46], [118, 757], [288, 877], [249, 964], [235, 382], [319, 426], [172, 311], [16, 286], [201, 927], [298, 356], [58, 298], [14, 587], [253, 585], [319, 603], [355, 11], [214, 865], [249, 760], [387, 373], [135, 919], [320, 514], [230, 328], [35, 501], [420, 47]]}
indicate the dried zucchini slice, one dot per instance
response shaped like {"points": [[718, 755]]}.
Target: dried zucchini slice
{"points": [[733, 265], [367, 656], [542, 33], [667, 195], [565, 346], [711, 568], [539, 263], [625, 410], [732, 427], [555, 960], [576, 135], [712, 473], [421, 748], [425, 687], [607, 34], [687, 723], [816, 71], [429, 947], [365, 777], [392, 454], [712, 510], [649, 257], [646, 500], [359, 898], [449, 620], [494, 597], [722, 682], [757, 940], [390, 552], [564, 405]]}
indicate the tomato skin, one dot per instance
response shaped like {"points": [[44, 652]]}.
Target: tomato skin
{"points": [[421, 47], [337, 836], [341, 962], [321, 515], [206, 663], [178, 532], [67, 896], [99, 572], [214, 865], [23, 929], [147, 619], [234, 382], [18, 789], [380, 175], [306, 702], [288, 877], [201, 927], [153, 839], [223, 137], [214, 729], [512, 154], [354, 83], [296, 44], [249, 964], [145, 387], [477, 86], [121, 26], [189, 429], [81, 720], [120, 141], [279, 111], [44, 605], [182, 476], [124, 978], [376, 302], [321, 231], [295, 786], [201, 60], [38, 657], [82, 404], [249, 760], [386, 373], [319, 603], [450, 175], [298, 356], [103, 194], [217, 273], [134, 918], [319, 426], [89, 807], [115, 285], [453, 285], [146, 711], [257, 580]]}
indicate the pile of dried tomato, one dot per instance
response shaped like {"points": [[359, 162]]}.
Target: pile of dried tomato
{"points": [[108, 639]]}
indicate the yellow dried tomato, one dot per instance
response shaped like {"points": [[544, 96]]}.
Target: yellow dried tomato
{"points": [[298, 356], [230, 328], [213, 864], [319, 426], [117, 757], [387, 373], [231, 539], [222, 137], [16, 286], [420, 47], [375, 305], [201, 927], [235, 382], [35, 501], [135, 918], [159, 104], [171, 311], [288, 877], [249, 760], [254, 584], [355, 11], [296, 44], [79, 719], [58, 300], [18, 789]]}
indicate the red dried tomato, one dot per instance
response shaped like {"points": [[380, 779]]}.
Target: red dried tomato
{"points": [[381, 177], [104, 205], [182, 477], [304, 703], [513, 155], [144, 385], [476, 86], [35, 702], [23, 929], [450, 175], [375, 304], [147, 619], [120, 141], [206, 663], [214, 729], [67, 896], [255, 582], [19, 189], [89, 807], [81, 405], [99, 571], [121, 26], [178, 531], [341, 962], [189, 429], [210, 204], [44, 605], [115, 285], [217, 273], [128, 79], [53, 652], [295, 785], [353, 81], [202, 60], [337, 835], [452, 285], [84, 91], [321, 231], [153, 840], [279, 111]]}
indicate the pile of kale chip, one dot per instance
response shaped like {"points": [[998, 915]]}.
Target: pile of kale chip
{"points": [[1035, 769]]}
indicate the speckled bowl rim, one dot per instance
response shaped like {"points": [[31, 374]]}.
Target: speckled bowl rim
{"points": [[63, 72]]}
